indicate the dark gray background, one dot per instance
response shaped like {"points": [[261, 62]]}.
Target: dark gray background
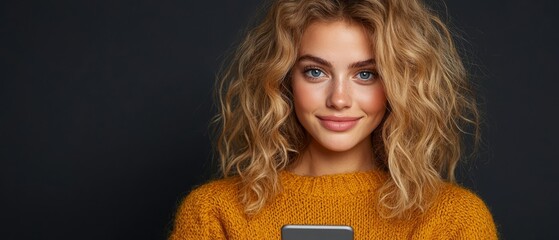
{"points": [[104, 111]]}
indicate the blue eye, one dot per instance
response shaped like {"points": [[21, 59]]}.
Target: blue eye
{"points": [[315, 73], [366, 75]]}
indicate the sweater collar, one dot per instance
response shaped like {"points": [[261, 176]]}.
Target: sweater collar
{"points": [[333, 185]]}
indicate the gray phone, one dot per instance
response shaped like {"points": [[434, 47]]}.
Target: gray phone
{"points": [[316, 232]]}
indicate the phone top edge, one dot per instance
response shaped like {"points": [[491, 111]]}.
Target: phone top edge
{"points": [[315, 226]]}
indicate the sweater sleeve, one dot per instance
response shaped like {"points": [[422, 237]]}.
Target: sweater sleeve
{"points": [[196, 218], [472, 219]]}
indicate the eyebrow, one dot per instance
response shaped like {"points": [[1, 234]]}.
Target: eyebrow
{"points": [[316, 59]]}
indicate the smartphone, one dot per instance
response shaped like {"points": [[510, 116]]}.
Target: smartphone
{"points": [[316, 232]]}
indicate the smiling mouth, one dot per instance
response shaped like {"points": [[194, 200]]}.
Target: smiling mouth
{"points": [[338, 124]]}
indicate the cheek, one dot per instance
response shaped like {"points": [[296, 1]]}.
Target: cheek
{"points": [[373, 100], [306, 97]]}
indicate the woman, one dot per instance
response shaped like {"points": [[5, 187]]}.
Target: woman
{"points": [[342, 113]]}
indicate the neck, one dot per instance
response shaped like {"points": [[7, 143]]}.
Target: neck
{"points": [[316, 160]]}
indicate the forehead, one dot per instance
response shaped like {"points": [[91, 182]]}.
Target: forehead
{"points": [[336, 40]]}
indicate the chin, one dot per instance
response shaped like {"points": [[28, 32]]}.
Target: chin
{"points": [[338, 146]]}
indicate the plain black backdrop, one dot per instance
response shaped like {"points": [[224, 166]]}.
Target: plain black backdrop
{"points": [[105, 105]]}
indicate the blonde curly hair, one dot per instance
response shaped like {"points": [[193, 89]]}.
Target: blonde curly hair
{"points": [[419, 142]]}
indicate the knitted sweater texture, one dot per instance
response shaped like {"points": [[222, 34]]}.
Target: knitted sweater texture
{"points": [[212, 211]]}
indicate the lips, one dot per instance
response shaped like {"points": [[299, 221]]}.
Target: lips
{"points": [[338, 124]]}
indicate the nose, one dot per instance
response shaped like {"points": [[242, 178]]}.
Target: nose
{"points": [[339, 96]]}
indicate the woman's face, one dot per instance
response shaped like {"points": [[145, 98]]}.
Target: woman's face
{"points": [[338, 96]]}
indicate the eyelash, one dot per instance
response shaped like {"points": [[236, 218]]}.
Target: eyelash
{"points": [[373, 77], [307, 69]]}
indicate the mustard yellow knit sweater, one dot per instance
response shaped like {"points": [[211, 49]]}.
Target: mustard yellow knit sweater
{"points": [[212, 211]]}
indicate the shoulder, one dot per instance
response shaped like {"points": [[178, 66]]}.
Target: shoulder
{"points": [[459, 200], [453, 196], [463, 212], [202, 212], [211, 194]]}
